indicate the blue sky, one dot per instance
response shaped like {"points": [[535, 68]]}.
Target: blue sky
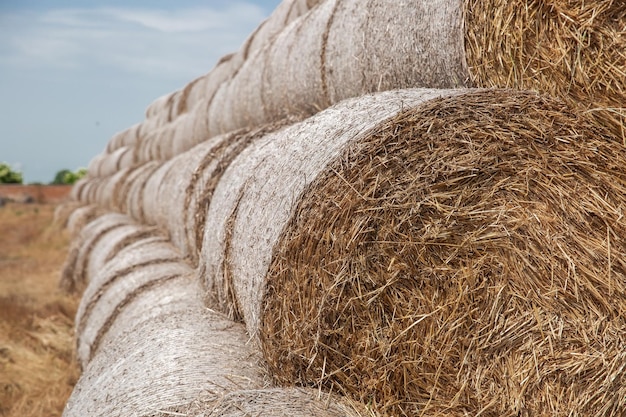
{"points": [[72, 73]]}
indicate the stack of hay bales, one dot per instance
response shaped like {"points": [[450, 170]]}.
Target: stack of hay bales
{"points": [[371, 202]]}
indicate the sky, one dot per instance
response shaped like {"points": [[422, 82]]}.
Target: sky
{"points": [[75, 72]]}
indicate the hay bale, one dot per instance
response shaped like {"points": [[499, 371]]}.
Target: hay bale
{"points": [[279, 402], [133, 190], [76, 192], [344, 49], [186, 179], [116, 286], [157, 107], [153, 192], [262, 185], [127, 137], [193, 99], [463, 257], [106, 164], [74, 274], [311, 65], [165, 297], [63, 211], [80, 217], [113, 241], [162, 365], [93, 168]]}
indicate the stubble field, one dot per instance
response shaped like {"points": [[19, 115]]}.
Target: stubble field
{"points": [[37, 367]]}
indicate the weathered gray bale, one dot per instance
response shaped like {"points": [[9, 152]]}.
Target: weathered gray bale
{"points": [[64, 211], [112, 289], [78, 188], [184, 136], [74, 272], [345, 49], [198, 93], [175, 295], [257, 194], [80, 217], [107, 190], [156, 196], [93, 168], [162, 365], [133, 190], [106, 164], [204, 87], [194, 177], [157, 107], [127, 137], [279, 402], [112, 242]]}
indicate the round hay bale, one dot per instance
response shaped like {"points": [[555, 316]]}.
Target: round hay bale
{"points": [[76, 193], [157, 107], [121, 196], [107, 194], [74, 272], [344, 49], [113, 241], [162, 365], [186, 183], [311, 65], [279, 402], [109, 163], [263, 184], [64, 211], [109, 293], [187, 135], [93, 168], [153, 192], [80, 217], [465, 256], [135, 186], [127, 137], [176, 295]]}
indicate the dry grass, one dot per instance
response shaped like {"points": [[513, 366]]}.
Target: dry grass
{"points": [[573, 49], [466, 259], [37, 369]]}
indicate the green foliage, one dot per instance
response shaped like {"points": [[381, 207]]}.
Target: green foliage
{"points": [[67, 177], [8, 175]]}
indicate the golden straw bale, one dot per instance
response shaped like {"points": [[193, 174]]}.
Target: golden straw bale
{"points": [[467, 256]]}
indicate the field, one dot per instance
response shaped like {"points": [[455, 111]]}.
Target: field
{"points": [[37, 368]]}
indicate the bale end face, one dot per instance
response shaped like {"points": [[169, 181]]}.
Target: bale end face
{"points": [[468, 257]]}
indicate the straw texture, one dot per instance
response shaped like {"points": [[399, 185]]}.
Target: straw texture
{"points": [[465, 257], [573, 49], [257, 193]]}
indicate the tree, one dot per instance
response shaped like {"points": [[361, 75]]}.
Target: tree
{"points": [[67, 177], [8, 175]]}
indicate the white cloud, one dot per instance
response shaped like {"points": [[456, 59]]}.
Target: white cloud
{"points": [[182, 43]]}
